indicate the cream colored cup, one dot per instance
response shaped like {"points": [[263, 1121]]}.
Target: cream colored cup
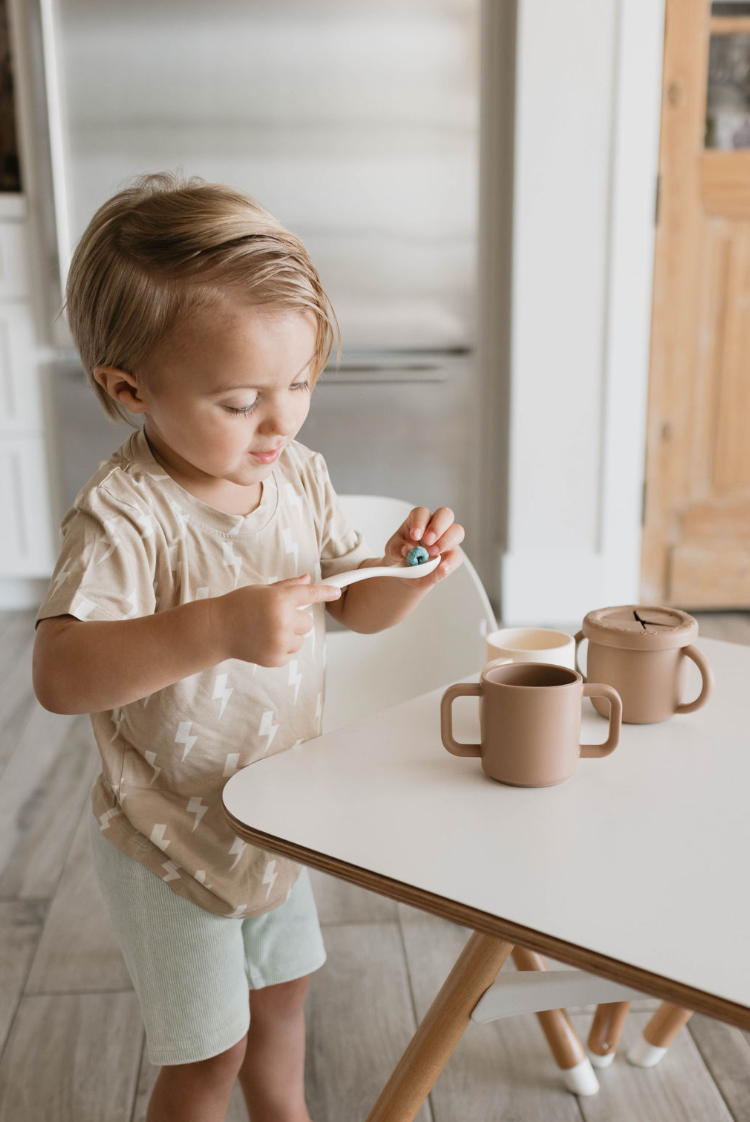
{"points": [[531, 644]]}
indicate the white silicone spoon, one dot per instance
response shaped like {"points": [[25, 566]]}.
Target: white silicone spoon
{"points": [[401, 569]]}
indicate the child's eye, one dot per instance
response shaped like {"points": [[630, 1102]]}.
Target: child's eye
{"points": [[244, 411]]}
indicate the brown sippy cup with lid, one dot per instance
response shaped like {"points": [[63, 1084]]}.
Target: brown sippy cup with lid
{"points": [[642, 652]]}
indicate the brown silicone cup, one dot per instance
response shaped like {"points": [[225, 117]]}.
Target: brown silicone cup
{"points": [[650, 683], [530, 717]]}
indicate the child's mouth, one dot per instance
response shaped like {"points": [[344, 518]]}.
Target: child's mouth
{"points": [[266, 457]]}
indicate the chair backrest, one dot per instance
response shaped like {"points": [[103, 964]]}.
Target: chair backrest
{"points": [[441, 641]]}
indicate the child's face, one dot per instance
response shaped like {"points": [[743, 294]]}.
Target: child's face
{"points": [[228, 388]]}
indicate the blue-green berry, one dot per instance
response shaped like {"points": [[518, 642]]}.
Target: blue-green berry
{"points": [[417, 556]]}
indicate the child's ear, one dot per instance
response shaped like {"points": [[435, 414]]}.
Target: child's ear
{"points": [[120, 386]]}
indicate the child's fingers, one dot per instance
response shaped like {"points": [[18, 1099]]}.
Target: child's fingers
{"points": [[315, 593], [437, 525], [415, 524]]}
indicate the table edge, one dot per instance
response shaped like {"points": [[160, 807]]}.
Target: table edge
{"points": [[654, 985]]}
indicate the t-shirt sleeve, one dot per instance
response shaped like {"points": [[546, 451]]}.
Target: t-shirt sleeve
{"points": [[341, 546], [105, 570]]}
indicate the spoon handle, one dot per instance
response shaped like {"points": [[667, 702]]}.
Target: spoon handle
{"points": [[342, 580]]}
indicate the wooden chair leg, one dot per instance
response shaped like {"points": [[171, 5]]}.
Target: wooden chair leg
{"points": [[658, 1034], [442, 1028], [567, 1049], [606, 1030]]}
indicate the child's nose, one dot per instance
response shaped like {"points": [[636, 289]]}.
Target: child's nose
{"points": [[277, 419]]}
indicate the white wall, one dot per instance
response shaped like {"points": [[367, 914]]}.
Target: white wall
{"points": [[588, 80]]}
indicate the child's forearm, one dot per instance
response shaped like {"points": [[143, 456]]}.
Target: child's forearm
{"points": [[373, 605], [86, 667]]}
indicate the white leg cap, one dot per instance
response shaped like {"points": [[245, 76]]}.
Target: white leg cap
{"points": [[581, 1079], [602, 1061], [643, 1054]]}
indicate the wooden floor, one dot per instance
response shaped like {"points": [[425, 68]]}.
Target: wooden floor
{"points": [[71, 1040]]}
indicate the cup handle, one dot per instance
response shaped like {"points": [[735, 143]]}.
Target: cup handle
{"points": [[468, 689], [707, 674], [579, 639], [596, 751]]}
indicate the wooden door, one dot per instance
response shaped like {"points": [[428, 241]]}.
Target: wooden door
{"points": [[696, 533]]}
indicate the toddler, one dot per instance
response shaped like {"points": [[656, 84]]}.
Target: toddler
{"points": [[173, 618]]}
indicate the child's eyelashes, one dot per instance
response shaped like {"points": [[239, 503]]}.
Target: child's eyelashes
{"points": [[246, 410]]}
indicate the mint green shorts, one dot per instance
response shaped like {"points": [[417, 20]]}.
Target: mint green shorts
{"points": [[192, 970]]}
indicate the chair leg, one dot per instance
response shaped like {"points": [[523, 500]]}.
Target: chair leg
{"points": [[658, 1034], [577, 1072], [443, 1026], [606, 1030]]}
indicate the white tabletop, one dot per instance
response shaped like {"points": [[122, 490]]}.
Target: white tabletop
{"points": [[641, 857]]}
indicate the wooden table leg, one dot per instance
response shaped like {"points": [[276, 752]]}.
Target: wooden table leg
{"points": [[562, 1038], [442, 1028], [606, 1029], [658, 1034]]}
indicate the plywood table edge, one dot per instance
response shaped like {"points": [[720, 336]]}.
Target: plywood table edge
{"points": [[653, 985]]}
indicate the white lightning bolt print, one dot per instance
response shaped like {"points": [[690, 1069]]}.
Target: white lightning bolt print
{"points": [[157, 836], [200, 876], [59, 579], [183, 737], [197, 807], [232, 764], [238, 912], [172, 873], [293, 496], [269, 877], [267, 728], [294, 678], [104, 819], [238, 847], [83, 608], [117, 718], [202, 593], [291, 546], [221, 692], [132, 599], [145, 523], [231, 560], [151, 757], [110, 538]]}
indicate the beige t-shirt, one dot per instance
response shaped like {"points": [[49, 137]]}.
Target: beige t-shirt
{"points": [[134, 543]]}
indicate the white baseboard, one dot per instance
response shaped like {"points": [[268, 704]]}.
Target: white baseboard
{"points": [[555, 586], [22, 593]]}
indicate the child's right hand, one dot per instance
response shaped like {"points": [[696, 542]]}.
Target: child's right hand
{"points": [[262, 623]]}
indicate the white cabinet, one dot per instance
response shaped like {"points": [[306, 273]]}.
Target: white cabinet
{"points": [[26, 547]]}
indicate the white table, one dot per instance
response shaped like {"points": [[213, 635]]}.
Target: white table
{"points": [[635, 869]]}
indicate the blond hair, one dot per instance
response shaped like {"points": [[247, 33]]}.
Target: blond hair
{"points": [[163, 246]]}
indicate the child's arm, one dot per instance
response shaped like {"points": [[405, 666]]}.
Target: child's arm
{"points": [[373, 605], [89, 666]]}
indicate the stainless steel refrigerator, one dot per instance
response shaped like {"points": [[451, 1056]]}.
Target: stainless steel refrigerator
{"points": [[356, 123]]}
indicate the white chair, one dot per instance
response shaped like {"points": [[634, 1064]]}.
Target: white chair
{"points": [[441, 642]]}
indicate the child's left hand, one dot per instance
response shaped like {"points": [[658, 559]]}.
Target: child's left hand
{"points": [[438, 533]]}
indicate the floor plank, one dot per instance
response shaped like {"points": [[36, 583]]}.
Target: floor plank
{"points": [[359, 1019], [726, 1053], [678, 1089], [21, 924], [44, 787], [78, 951], [72, 1058]]}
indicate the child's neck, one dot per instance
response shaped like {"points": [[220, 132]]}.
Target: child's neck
{"points": [[231, 498]]}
